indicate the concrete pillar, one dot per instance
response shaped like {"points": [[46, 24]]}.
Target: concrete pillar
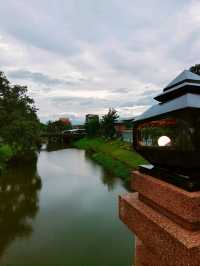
{"points": [[166, 221]]}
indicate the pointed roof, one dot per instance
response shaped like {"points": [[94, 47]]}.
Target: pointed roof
{"points": [[185, 75], [180, 103], [186, 82]]}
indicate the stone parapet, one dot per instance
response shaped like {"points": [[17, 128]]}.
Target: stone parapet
{"points": [[166, 221], [182, 205]]}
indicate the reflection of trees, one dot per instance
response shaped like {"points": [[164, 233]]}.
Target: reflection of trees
{"points": [[18, 202], [109, 181], [51, 146]]}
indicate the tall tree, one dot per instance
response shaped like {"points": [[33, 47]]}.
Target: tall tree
{"points": [[108, 123], [19, 125]]}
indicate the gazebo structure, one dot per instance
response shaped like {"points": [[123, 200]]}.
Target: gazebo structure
{"points": [[164, 213]]}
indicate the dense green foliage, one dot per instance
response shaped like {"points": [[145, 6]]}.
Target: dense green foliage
{"points": [[5, 154], [115, 156], [19, 125], [108, 123]]}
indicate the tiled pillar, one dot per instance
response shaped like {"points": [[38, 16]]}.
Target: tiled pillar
{"points": [[166, 221]]}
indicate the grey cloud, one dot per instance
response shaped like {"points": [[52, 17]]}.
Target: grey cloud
{"points": [[103, 103], [144, 100], [81, 101], [120, 43], [151, 93], [37, 24], [38, 77], [121, 90]]}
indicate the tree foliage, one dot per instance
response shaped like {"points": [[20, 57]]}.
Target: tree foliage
{"points": [[58, 126], [19, 125], [108, 123]]}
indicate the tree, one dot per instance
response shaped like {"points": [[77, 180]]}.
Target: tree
{"points": [[92, 126], [58, 126], [195, 69], [19, 125], [108, 123]]}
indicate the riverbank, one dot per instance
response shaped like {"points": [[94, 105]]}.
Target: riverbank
{"points": [[117, 157]]}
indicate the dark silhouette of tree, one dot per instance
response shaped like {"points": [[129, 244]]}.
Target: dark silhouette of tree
{"points": [[108, 123]]}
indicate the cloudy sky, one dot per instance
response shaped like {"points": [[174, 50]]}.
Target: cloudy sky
{"points": [[84, 56]]}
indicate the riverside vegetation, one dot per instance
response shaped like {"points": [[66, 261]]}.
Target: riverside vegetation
{"points": [[19, 124], [116, 157], [20, 131]]}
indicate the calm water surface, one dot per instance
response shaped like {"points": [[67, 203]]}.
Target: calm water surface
{"points": [[62, 212]]}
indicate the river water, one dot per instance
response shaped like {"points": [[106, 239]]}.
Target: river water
{"points": [[62, 211]]}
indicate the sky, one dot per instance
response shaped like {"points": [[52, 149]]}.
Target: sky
{"points": [[85, 56]]}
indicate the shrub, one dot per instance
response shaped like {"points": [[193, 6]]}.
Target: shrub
{"points": [[5, 153]]}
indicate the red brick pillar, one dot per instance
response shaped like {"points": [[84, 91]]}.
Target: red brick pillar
{"points": [[166, 221]]}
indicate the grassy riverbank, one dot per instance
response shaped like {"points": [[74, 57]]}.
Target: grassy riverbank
{"points": [[115, 156]]}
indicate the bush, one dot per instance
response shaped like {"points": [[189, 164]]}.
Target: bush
{"points": [[5, 153]]}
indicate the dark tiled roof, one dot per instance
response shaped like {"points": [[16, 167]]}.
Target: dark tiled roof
{"points": [[185, 75], [185, 101]]}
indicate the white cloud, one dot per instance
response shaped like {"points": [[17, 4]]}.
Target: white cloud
{"points": [[81, 57]]}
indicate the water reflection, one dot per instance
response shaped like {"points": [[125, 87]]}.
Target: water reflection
{"points": [[112, 182], [52, 146], [109, 180], [19, 189], [77, 223]]}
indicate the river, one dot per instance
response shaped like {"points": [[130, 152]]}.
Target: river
{"points": [[62, 211]]}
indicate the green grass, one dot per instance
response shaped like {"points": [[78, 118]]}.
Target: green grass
{"points": [[115, 156]]}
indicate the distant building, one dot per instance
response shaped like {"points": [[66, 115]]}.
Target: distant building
{"points": [[90, 117], [123, 124], [65, 120], [124, 129]]}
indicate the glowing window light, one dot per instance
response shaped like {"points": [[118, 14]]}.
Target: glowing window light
{"points": [[164, 141]]}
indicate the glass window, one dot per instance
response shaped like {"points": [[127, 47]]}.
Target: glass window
{"points": [[169, 133]]}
